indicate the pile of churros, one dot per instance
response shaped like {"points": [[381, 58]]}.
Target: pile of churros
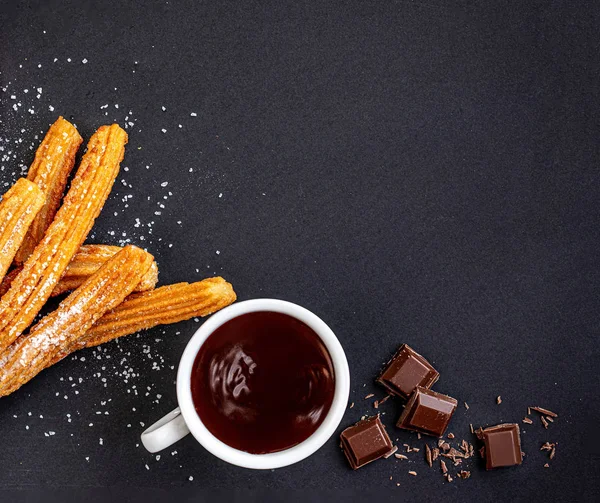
{"points": [[112, 289]]}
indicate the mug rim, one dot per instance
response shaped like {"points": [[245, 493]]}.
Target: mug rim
{"points": [[293, 454]]}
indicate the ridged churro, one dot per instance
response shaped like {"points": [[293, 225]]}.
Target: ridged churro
{"points": [[50, 169], [41, 272], [163, 306], [86, 262], [76, 314], [18, 208]]}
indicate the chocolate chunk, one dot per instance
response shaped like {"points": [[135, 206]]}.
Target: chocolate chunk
{"points": [[502, 446], [427, 412], [407, 370], [366, 441]]}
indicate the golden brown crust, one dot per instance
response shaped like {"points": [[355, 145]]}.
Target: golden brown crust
{"points": [[163, 306], [103, 291], [18, 208], [41, 272], [86, 262], [53, 162]]}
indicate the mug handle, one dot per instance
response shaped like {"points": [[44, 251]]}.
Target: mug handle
{"points": [[165, 432]]}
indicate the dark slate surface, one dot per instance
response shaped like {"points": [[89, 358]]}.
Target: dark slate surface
{"points": [[421, 172]]}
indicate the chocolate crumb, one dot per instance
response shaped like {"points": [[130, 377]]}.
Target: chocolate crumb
{"points": [[543, 411], [435, 453], [351, 405], [547, 446], [498, 400], [450, 435], [529, 411], [527, 420], [398, 484], [392, 451], [546, 465], [376, 404], [553, 453], [465, 447], [471, 427], [548, 418], [413, 473], [464, 474], [384, 399], [428, 456], [400, 456], [444, 467], [418, 436], [466, 406], [449, 478], [370, 395], [457, 462], [544, 422]]}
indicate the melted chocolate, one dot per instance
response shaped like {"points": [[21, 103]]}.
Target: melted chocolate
{"points": [[263, 382]]}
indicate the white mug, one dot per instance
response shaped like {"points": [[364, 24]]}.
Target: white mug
{"points": [[185, 419]]}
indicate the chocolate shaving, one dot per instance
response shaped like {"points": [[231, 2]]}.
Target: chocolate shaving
{"points": [[465, 447], [527, 420], [457, 462], [546, 446], [370, 395], [400, 456], [464, 474], [418, 436], [450, 436], [529, 411], [498, 400], [384, 399], [543, 411], [445, 446], [449, 478], [453, 454], [394, 449], [466, 406], [376, 404], [548, 418], [471, 427], [435, 453], [428, 456], [552, 452], [544, 422], [413, 473], [444, 467], [351, 405]]}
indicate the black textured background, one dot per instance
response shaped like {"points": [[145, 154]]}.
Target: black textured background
{"points": [[421, 172]]}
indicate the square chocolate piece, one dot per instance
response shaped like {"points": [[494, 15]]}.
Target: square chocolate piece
{"points": [[427, 412], [502, 445], [366, 441], [407, 370]]}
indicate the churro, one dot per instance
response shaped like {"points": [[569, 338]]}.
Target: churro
{"points": [[163, 306], [50, 169], [41, 272], [18, 209], [76, 314], [86, 262]]}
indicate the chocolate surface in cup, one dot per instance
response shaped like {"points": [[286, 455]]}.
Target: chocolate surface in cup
{"points": [[263, 382]]}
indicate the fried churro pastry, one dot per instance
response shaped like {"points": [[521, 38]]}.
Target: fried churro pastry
{"points": [[18, 208], [76, 314], [163, 306], [32, 287], [53, 162], [86, 262]]}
